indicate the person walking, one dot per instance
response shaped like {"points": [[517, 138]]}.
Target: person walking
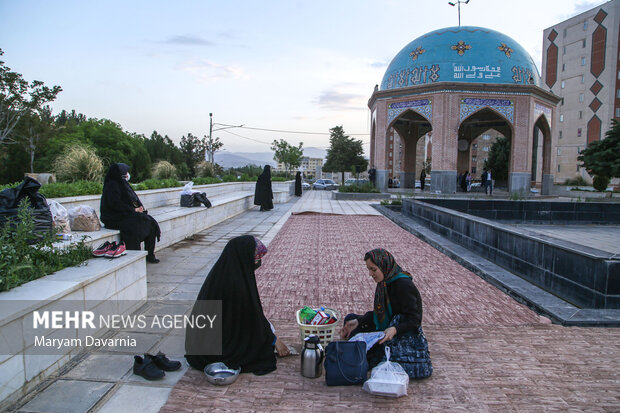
{"points": [[468, 181], [463, 181], [372, 175], [488, 183], [263, 194], [422, 180], [298, 184]]}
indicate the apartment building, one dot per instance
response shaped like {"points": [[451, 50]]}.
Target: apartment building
{"points": [[581, 65]]}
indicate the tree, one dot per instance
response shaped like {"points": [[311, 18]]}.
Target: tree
{"points": [[38, 129], [344, 153], [499, 157], [161, 148], [287, 154], [602, 158], [18, 98], [212, 146], [193, 150]]}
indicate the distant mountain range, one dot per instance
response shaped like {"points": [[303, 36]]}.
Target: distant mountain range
{"points": [[238, 159]]}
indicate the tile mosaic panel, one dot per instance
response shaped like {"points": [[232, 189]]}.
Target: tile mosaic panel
{"points": [[422, 106], [471, 105]]}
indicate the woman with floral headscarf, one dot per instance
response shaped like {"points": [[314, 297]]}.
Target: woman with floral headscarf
{"points": [[247, 337], [397, 312]]}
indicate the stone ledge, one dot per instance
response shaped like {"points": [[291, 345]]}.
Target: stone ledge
{"points": [[358, 196], [547, 304]]}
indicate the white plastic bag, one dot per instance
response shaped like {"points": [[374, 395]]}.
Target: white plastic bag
{"points": [[187, 189], [84, 218], [387, 379], [60, 217]]}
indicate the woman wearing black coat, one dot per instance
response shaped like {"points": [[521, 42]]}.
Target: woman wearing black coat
{"points": [[121, 209], [298, 184], [263, 195]]}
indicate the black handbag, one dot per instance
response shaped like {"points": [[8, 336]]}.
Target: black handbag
{"points": [[345, 363], [189, 201]]}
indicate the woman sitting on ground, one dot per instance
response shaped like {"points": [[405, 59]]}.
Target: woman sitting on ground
{"points": [[397, 312], [247, 339], [121, 209]]}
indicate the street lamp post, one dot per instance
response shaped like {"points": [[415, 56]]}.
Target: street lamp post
{"points": [[458, 2], [211, 153]]}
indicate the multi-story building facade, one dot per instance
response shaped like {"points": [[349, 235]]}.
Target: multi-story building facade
{"points": [[581, 65], [311, 167]]}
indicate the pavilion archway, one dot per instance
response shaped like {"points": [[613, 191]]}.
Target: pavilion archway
{"points": [[411, 127], [542, 175]]}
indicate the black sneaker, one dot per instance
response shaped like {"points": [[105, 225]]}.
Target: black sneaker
{"points": [[151, 258], [146, 368], [163, 362]]}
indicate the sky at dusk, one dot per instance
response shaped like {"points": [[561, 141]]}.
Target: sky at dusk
{"points": [[288, 65]]}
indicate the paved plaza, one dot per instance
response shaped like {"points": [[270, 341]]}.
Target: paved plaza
{"points": [[489, 352]]}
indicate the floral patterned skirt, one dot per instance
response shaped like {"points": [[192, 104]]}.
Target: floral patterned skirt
{"points": [[410, 350]]}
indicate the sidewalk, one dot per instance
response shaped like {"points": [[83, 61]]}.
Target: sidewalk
{"points": [[489, 352]]}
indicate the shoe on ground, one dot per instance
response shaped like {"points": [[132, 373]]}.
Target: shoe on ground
{"points": [[102, 249], [116, 250], [163, 362], [146, 368], [151, 258]]}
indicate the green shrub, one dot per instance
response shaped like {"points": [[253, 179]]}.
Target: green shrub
{"points": [[62, 189], [600, 183], [248, 178], [25, 257], [156, 184], [206, 180], [13, 185], [205, 170], [363, 188], [164, 170], [578, 180], [278, 178], [78, 163]]}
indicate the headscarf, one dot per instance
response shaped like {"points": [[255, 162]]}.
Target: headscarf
{"points": [[247, 339], [260, 250], [118, 199], [382, 310]]}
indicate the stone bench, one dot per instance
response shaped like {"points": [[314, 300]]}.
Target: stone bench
{"points": [[176, 222]]}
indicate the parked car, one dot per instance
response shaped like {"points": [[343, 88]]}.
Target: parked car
{"points": [[326, 184], [353, 181], [305, 185]]}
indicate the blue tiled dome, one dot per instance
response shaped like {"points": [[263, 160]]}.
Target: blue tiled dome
{"points": [[461, 54]]}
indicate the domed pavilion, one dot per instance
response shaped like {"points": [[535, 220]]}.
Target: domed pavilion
{"points": [[443, 91]]}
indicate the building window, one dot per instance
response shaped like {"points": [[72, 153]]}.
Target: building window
{"points": [[474, 159], [486, 137], [561, 118], [563, 84], [577, 168], [585, 26], [618, 74], [563, 67], [564, 32], [485, 148], [559, 151], [558, 168], [581, 97], [583, 78], [473, 169], [564, 50], [618, 112], [578, 132], [583, 61], [618, 93], [580, 114], [475, 146], [562, 102], [560, 135], [583, 43]]}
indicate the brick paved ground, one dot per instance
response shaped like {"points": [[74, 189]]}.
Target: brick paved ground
{"points": [[489, 352]]}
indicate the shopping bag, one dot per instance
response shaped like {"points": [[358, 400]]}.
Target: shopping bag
{"points": [[345, 363]]}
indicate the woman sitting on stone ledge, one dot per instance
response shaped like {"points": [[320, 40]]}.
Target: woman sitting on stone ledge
{"points": [[248, 339], [398, 312], [121, 209]]}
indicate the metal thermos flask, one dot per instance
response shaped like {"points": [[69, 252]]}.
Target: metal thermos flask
{"points": [[312, 357]]}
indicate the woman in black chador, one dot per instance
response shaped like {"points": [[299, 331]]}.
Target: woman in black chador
{"points": [[121, 209], [248, 339], [263, 195], [298, 184]]}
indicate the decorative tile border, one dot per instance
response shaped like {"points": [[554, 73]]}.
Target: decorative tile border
{"points": [[422, 106], [541, 109], [471, 105]]}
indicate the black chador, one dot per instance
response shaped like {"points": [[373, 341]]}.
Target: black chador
{"points": [[263, 195], [247, 338], [118, 211], [298, 184]]}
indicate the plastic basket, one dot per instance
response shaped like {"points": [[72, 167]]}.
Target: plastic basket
{"points": [[326, 332]]}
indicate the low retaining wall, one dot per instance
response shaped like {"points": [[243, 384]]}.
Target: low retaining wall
{"points": [[357, 196], [586, 277], [120, 283]]}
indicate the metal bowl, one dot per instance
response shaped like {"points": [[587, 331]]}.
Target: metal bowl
{"points": [[220, 374]]}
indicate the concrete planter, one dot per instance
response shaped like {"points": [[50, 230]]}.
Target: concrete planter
{"points": [[357, 196], [120, 283]]}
